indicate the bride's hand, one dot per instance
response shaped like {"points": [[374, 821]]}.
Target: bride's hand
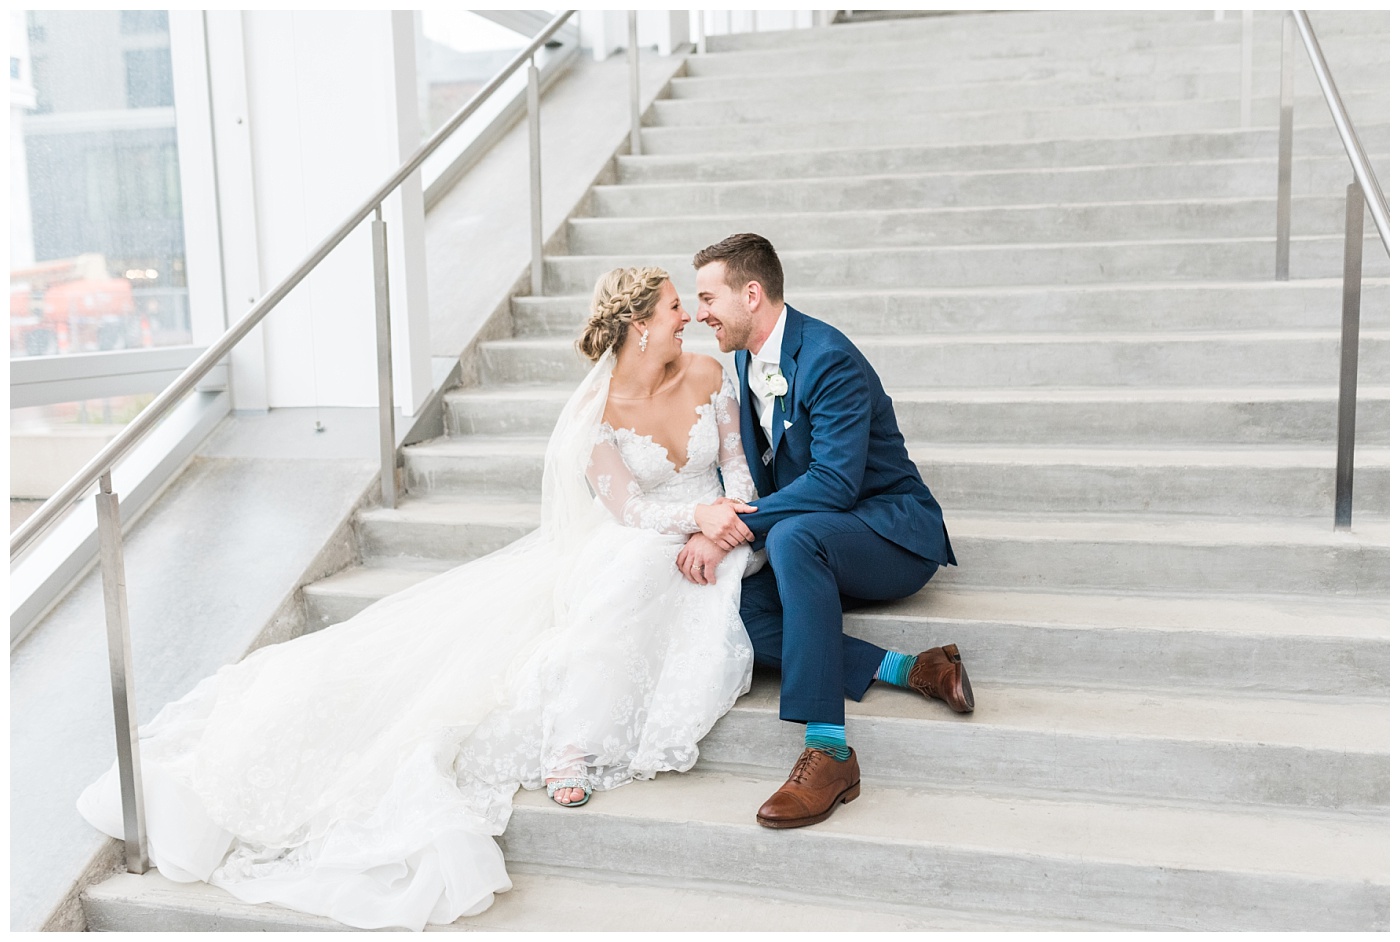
{"points": [[720, 522], [699, 559]]}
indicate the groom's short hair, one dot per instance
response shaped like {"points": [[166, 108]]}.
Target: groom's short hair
{"points": [[747, 257]]}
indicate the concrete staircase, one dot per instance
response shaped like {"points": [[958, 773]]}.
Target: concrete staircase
{"points": [[1052, 239]]}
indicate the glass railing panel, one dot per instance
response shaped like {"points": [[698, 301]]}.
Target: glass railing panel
{"points": [[458, 51], [49, 444]]}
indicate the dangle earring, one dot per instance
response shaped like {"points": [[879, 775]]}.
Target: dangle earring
{"points": [[642, 344]]}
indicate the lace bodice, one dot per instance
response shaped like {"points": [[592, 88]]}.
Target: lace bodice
{"points": [[634, 478]]}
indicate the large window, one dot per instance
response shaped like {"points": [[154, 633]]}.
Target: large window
{"points": [[100, 264], [97, 245]]}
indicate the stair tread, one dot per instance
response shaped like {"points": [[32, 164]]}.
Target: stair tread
{"points": [[1145, 455], [553, 901], [902, 78], [1362, 619], [1048, 172], [1335, 725], [561, 392], [453, 509], [1330, 847], [1016, 114], [905, 213], [1061, 338], [769, 159], [991, 27], [682, 262], [1298, 284]]}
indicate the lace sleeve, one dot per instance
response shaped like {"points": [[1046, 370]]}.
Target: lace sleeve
{"points": [[619, 491], [738, 483]]}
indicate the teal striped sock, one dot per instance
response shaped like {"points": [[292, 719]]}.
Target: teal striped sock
{"points": [[895, 668], [828, 738]]}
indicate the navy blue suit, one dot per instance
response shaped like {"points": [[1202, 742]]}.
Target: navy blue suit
{"points": [[842, 512]]}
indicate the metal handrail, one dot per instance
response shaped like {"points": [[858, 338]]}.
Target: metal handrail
{"points": [[1360, 163], [137, 429], [1351, 143], [1364, 187]]}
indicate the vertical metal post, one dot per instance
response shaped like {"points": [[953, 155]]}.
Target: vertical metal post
{"points": [[634, 67], [380, 240], [1351, 331], [1284, 230], [1246, 66], [699, 17], [109, 541], [532, 100]]}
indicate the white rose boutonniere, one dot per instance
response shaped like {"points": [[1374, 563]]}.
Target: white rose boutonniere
{"points": [[777, 385]]}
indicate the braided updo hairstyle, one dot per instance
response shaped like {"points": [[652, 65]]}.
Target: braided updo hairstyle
{"points": [[621, 297]]}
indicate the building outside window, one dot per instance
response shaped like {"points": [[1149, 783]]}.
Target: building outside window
{"points": [[103, 266], [97, 246]]}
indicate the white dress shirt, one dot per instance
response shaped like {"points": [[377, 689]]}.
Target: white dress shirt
{"points": [[766, 361]]}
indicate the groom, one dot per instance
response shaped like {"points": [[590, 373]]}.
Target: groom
{"points": [[842, 513]]}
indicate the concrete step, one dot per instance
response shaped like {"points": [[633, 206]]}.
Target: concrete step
{"points": [[845, 160], [1167, 554], [1157, 866], [1113, 552], [1114, 221], [1202, 47], [1177, 358], [1354, 67], [434, 534], [1284, 482], [963, 28], [540, 900], [933, 126], [982, 27], [1299, 753], [921, 91], [1272, 415], [1273, 305], [1236, 259], [977, 190], [1042, 82], [1288, 646], [1089, 416]]}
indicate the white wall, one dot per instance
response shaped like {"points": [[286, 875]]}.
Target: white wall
{"points": [[719, 22], [605, 31], [330, 108]]}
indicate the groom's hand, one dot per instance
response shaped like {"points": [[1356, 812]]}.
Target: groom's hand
{"points": [[720, 522], [699, 559]]}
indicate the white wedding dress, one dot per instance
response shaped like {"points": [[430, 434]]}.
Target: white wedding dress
{"points": [[360, 772]]}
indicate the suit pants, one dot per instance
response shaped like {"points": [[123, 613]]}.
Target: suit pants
{"points": [[818, 565]]}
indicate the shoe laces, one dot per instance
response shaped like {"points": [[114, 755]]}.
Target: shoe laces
{"points": [[805, 764]]}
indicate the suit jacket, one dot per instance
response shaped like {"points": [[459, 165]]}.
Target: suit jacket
{"points": [[836, 445]]}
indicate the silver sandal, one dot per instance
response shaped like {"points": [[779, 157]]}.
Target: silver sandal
{"points": [[554, 786]]}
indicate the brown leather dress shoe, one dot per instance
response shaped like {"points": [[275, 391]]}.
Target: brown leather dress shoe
{"points": [[818, 783], [939, 674]]}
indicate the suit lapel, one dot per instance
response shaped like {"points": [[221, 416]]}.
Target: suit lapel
{"points": [[792, 342]]}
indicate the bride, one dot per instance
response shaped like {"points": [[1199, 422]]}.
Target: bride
{"points": [[360, 772]]}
